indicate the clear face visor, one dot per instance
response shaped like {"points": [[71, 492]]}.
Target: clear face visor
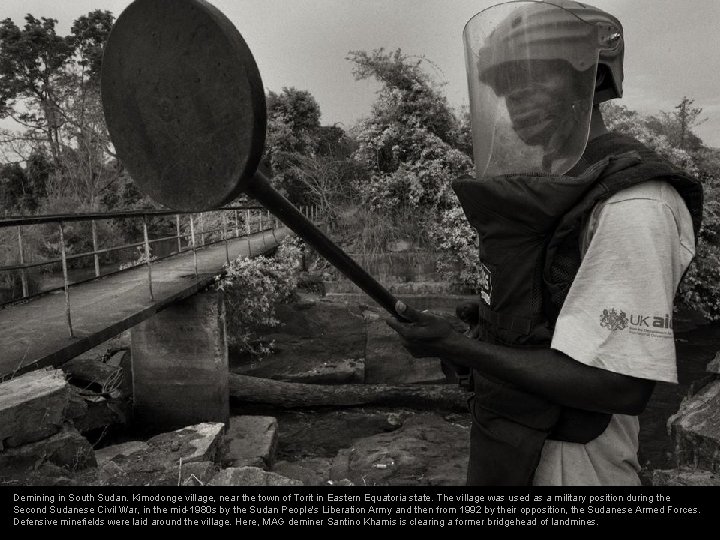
{"points": [[531, 74]]}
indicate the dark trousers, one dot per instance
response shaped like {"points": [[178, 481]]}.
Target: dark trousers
{"points": [[502, 452]]}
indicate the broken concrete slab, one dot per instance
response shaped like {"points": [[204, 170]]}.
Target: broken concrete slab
{"points": [[426, 450], [685, 477], [67, 449], [32, 407], [696, 429], [103, 455], [195, 443], [164, 459], [250, 441], [251, 476]]}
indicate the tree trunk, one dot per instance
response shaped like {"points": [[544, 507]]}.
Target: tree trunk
{"points": [[298, 395]]}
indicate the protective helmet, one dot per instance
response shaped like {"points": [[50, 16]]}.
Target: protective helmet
{"points": [[613, 49], [532, 69], [545, 29]]}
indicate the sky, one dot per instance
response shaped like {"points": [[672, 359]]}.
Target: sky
{"points": [[670, 46]]}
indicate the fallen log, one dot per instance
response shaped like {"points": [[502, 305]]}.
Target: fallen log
{"points": [[305, 396]]}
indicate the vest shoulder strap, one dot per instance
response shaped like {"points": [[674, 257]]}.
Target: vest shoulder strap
{"points": [[563, 250]]}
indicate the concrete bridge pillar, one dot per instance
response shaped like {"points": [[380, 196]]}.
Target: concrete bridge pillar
{"points": [[180, 364]]}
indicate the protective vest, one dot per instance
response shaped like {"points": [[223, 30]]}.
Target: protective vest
{"points": [[529, 240]]}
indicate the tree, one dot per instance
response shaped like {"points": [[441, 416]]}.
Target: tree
{"points": [[687, 117], [647, 130], [50, 85], [306, 159], [413, 147], [410, 141], [31, 65]]}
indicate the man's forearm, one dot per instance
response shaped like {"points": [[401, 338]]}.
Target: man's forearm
{"points": [[552, 375]]}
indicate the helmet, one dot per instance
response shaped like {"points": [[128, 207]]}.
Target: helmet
{"points": [[544, 31], [612, 45], [532, 69]]}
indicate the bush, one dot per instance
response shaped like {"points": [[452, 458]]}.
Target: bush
{"points": [[700, 288], [456, 239], [253, 290]]}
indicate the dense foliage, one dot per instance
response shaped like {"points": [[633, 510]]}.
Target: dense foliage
{"points": [[253, 289], [413, 147]]}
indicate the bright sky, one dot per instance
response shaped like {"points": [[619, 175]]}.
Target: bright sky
{"points": [[671, 46]]}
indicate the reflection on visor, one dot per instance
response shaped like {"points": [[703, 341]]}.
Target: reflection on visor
{"points": [[512, 76], [531, 76]]}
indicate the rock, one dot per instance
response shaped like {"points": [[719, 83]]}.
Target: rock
{"points": [[426, 450], [195, 443], [324, 433], [67, 449], [250, 441], [251, 476], [104, 455], [317, 342], [685, 477], [162, 462], [388, 362], [696, 429], [84, 372], [89, 410], [198, 474], [714, 365], [314, 471], [32, 407], [343, 482]]}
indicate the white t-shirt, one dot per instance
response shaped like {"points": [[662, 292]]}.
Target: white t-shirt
{"points": [[618, 316]]}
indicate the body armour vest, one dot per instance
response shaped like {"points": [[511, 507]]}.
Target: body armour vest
{"points": [[529, 231]]}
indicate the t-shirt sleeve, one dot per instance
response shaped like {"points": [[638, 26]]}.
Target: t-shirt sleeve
{"points": [[618, 313]]}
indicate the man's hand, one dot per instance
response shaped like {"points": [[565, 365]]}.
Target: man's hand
{"points": [[424, 335], [468, 312]]}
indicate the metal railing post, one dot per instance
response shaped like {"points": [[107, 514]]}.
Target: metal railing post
{"points": [[65, 281], [194, 247], [147, 256], [262, 230], [23, 271], [177, 232], [248, 231], [96, 257], [225, 235], [237, 225], [202, 228]]}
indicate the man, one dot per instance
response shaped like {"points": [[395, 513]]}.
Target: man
{"points": [[579, 271]]}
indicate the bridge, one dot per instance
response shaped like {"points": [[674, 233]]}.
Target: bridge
{"points": [[51, 326]]}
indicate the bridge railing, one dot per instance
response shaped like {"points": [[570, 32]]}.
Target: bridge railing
{"points": [[191, 234]]}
